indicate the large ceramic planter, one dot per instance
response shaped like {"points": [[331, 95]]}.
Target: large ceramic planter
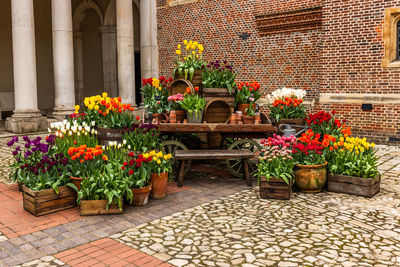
{"points": [[47, 201], [243, 107], [76, 181], [275, 188], [97, 207], [366, 187], [141, 195], [105, 135], [310, 178], [159, 185], [194, 117]]}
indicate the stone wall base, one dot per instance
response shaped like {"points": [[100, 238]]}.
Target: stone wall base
{"points": [[26, 124]]}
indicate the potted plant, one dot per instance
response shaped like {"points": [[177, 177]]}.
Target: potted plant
{"points": [[104, 190], [142, 137], [189, 62], [287, 107], [250, 115], [194, 105], [175, 105], [110, 116], [41, 170], [247, 93], [138, 171], [309, 152], [219, 82], [155, 92], [83, 161], [325, 123], [160, 168], [275, 167], [353, 168]]}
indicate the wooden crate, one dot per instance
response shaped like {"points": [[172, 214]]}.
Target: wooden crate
{"points": [[97, 207], [276, 188], [220, 93], [47, 201], [366, 187]]}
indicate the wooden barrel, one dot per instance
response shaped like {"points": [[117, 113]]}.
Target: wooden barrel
{"points": [[105, 135], [220, 93], [179, 87], [217, 111]]}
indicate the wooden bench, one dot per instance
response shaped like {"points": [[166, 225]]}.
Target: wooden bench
{"points": [[184, 155]]}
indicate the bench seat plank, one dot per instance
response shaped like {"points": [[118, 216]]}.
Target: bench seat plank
{"points": [[212, 154]]}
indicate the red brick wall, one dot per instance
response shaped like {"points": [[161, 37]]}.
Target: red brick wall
{"points": [[344, 56], [351, 62], [275, 61]]}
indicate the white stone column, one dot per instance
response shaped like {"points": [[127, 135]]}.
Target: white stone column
{"points": [[126, 51], [26, 116], [148, 39], [63, 57], [154, 40]]}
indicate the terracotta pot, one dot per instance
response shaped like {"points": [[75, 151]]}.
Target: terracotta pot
{"points": [[159, 182], [233, 119], [180, 115], [77, 182], [243, 107], [248, 119], [141, 195], [310, 178], [195, 117]]}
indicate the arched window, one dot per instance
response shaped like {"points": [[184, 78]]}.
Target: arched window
{"points": [[398, 40]]}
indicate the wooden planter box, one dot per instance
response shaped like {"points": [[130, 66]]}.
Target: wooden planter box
{"points": [[47, 201], [97, 207], [276, 188], [366, 187]]}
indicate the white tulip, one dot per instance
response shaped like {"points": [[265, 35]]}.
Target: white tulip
{"points": [[52, 125], [79, 133], [110, 143], [95, 132], [119, 146], [70, 133], [129, 147], [48, 129], [74, 129], [64, 121], [93, 123], [86, 133], [57, 134], [124, 142], [115, 143], [79, 128], [103, 147], [84, 124]]}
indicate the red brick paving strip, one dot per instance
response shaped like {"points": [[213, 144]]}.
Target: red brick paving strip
{"points": [[107, 252], [15, 221]]}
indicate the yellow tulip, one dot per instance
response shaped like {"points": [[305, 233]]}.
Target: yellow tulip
{"points": [[178, 52], [104, 95], [193, 52], [195, 43], [77, 107], [185, 42], [158, 162], [96, 107], [165, 157], [179, 46]]}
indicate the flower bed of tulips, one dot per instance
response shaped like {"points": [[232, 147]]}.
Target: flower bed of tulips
{"points": [[71, 151]]}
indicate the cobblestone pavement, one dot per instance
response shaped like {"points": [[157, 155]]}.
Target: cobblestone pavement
{"points": [[222, 222]]}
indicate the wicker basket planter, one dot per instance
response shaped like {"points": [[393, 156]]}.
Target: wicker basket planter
{"points": [[366, 187]]}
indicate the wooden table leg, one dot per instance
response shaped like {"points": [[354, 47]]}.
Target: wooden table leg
{"points": [[246, 174], [181, 171]]}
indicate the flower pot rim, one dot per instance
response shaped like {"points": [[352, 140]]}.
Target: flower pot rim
{"points": [[142, 189], [312, 166]]}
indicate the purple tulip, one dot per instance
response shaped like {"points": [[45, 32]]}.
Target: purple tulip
{"points": [[15, 139], [10, 143], [27, 145], [15, 152]]}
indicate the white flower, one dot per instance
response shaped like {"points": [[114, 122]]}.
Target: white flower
{"points": [[95, 132], [84, 124], [110, 143], [74, 129], [57, 134], [79, 134], [52, 125], [93, 123], [87, 128], [68, 126], [79, 128], [86, 133], [119, 146], [129, 147], [70, 133], [124, 141], [92, 132], [48, 129], [115, 143], [103, 147], [64, 121]]}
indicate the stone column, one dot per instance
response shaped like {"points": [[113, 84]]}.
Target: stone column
{"points": [[148, 39], [154, 40], [27, 117], [126, 51], [78, 67], [63, 57], [110, 59]]}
